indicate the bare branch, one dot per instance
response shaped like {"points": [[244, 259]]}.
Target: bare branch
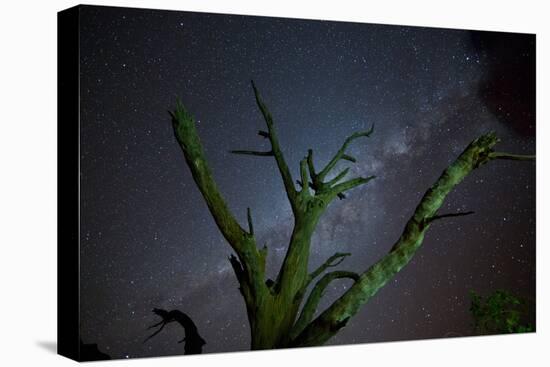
{"points": [[253, 152], [341, 152], [303, 175], [155, 325], [340, 176], [252, 276], [332, 261], [163, 324], [436, 217], [349, 158], [308, 311], [350, 184], [310, 166], [513, 157], [250, 225], [193, 340], [275, 148]]}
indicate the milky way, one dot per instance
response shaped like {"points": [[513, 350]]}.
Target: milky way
{"points": [[148, 240]]}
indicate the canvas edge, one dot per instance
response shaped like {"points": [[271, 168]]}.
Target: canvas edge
{"points": [[68, 188]]}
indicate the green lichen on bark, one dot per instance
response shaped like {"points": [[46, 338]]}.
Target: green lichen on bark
{"points": [[273, 307]]}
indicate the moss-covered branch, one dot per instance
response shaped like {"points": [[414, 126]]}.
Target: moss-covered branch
{"points": [[186, 134], [448, 215]]}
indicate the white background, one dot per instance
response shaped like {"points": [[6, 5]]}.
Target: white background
{"points": [[28, 183]]}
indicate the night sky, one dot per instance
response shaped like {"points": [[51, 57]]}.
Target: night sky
{"points": [[148, 240]]}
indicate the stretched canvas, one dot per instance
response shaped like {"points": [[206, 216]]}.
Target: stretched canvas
{"points": [[231, 183]]}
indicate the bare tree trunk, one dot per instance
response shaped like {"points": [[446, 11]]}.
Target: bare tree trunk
{"points": [[273, 307]]}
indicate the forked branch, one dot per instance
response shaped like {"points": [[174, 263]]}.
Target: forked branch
{"points": [[275, 147], [341, 153], [331, 188], [310, 307], [332, 261]]}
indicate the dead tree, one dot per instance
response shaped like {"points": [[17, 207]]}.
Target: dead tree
{"points": [[273, 307]]}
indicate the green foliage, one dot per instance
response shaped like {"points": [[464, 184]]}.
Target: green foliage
{"points": [[499, 313]]}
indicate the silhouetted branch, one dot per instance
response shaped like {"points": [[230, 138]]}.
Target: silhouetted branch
{"points": [[162, 323], [253, 152], [193, 341], [437, 217], [513, 157]]}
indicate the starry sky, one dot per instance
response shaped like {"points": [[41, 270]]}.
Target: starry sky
{"points": [[147, 239]]}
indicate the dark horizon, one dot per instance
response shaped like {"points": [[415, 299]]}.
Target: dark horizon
{"points": [[148, 240]]}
